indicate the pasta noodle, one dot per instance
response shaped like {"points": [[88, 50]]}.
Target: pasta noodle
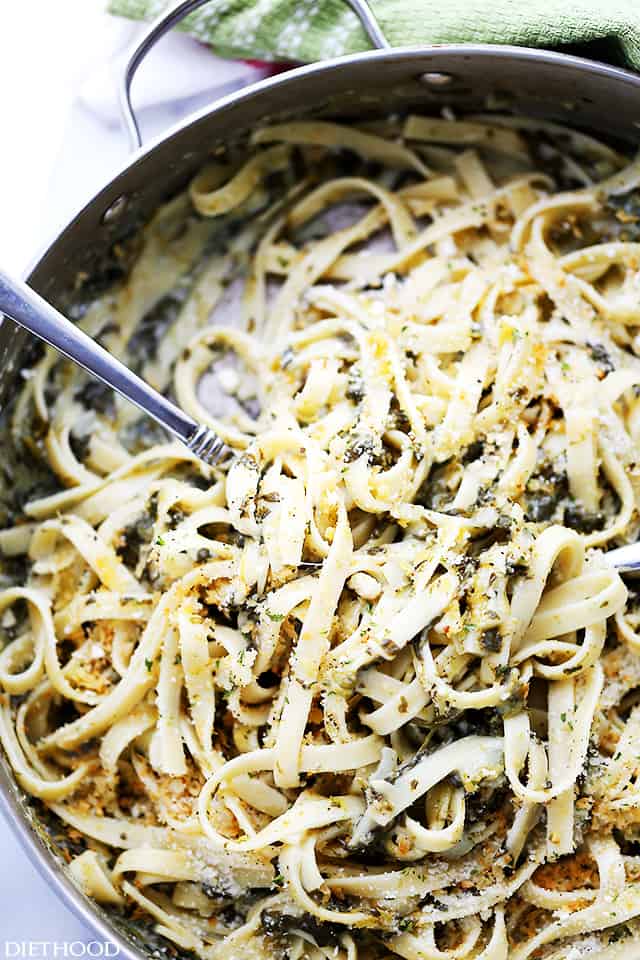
{"points": [[369, 688]]}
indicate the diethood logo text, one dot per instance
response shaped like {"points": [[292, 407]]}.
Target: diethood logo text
{"points": [[59, 948]]}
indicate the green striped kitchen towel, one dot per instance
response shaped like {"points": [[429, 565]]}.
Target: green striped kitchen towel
{"points": [[306, 30]]}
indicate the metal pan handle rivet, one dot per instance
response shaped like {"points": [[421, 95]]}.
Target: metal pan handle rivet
{"points": [[436, 79], [115, 210]]}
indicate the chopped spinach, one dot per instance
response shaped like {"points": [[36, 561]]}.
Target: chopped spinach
{"points": [[581, 520], [95, 395]]}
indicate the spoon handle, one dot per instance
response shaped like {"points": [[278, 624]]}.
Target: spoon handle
{"points": [[27, 308], [625, 559]]}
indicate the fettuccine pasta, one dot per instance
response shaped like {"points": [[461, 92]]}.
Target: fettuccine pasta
{"points": [[369, 688]]}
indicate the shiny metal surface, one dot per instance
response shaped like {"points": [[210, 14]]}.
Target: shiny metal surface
{"points": [[174, 15], [27, 308], [593, 96], [626, 560], [156, 30], [371, 26]]}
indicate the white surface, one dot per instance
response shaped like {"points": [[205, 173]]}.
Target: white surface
{"points": [[61, 141], [59, 63]]}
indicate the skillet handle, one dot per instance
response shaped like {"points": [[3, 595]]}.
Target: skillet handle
{"points": [[177, 12]]}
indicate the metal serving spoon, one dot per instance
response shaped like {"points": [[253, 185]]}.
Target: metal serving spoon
{"points": [[25, 307]]}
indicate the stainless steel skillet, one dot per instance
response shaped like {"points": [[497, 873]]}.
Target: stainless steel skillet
{"points": [[587, 95]]}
